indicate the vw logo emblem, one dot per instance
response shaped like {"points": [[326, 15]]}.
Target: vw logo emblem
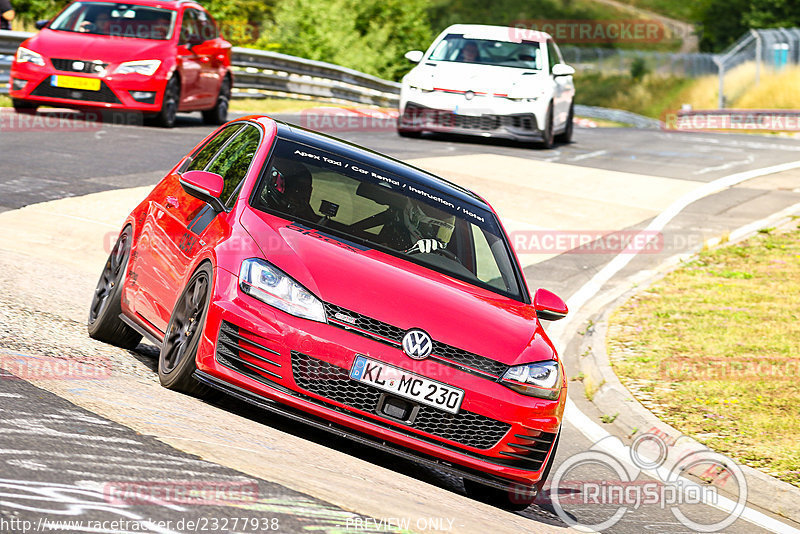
{"points": [[469, 95], [417, 344], [78, 65]]}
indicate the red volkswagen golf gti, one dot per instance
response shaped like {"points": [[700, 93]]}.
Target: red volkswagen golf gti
{"points": [[152, 56], [347, 290]]}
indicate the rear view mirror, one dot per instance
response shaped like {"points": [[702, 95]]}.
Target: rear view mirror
{"points": [[549, 306], [380, 195], [414, 56], [42, 23], [205, 186]]}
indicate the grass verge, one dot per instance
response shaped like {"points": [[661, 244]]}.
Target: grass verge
{"points": [[714, 350], [277, 105]]}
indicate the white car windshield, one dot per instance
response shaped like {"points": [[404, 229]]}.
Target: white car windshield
{"points": [[116, 20], [460, 49]]}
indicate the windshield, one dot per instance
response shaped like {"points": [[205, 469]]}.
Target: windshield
{"points": [[116, 20], [379, 210], [460, 49]]}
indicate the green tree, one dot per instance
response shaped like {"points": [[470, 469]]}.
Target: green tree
{"points": [[367, 35], [724, 21]]}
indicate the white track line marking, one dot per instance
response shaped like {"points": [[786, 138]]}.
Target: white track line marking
{"points": [[589, 155], [591, 430]]}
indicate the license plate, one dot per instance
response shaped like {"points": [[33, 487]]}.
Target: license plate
{"points": [[407, 385], [75, 82]]}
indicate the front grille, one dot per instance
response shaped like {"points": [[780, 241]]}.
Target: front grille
{"points": [[392, 335], [245, 353], [334, 383], [88, 67], [105, 94], [530, 450], [419, 116]]}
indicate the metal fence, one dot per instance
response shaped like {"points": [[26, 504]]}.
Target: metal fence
{"points": [[620, 61], [772, 49]]}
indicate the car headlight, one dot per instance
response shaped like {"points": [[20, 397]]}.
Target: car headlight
{"points": [[145, 68], [540, 379], [267, 283], [29, 56]]}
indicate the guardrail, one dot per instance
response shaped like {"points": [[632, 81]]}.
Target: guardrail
{"points": [[260, 74], [617, 115]]}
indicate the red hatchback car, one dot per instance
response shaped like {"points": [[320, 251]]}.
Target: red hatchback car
{"points": [[347, 290], [155, 57]]}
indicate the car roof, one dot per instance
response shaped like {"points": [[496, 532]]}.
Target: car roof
{"points": [[154, 3], [507, 34], [401, 169]]}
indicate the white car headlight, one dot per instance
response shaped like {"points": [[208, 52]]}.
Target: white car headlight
{"points": [[540, 379], [29, 56], [145, 68], [265, 282]]}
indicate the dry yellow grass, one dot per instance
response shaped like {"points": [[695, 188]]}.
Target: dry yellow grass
{"points": [[776, 89]]}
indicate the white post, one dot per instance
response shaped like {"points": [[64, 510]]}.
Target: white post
{"points": [[758, 55]]}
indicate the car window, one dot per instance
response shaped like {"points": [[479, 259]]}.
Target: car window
{"points": [[460, 49], [116, 20], [233, 161], [553, 56], [370, 206], [189, 26], [208, 29], [204, 156]]}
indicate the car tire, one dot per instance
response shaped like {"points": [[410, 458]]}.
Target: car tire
{"points": [[169, 105], [104, 322], [177, 360], [503, 499], [219, 113], [23, 106], [566, 136], [547, 133]]}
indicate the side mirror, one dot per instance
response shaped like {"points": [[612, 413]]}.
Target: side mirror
{"points": [[205, 186], [42, 23], [549, 306], [562, 69], [414, 56]]}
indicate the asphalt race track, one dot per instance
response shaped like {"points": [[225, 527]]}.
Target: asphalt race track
{"points": [[65, 446]]}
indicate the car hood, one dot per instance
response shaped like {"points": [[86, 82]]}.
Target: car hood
{"points": [[88, 47], [401, 293], [477, 78]]}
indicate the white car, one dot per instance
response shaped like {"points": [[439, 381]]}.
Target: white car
{"points": [[491, 81]]}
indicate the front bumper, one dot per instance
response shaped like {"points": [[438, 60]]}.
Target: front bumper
{"points": [[518, 127], [32, 83], [261, 353]]}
